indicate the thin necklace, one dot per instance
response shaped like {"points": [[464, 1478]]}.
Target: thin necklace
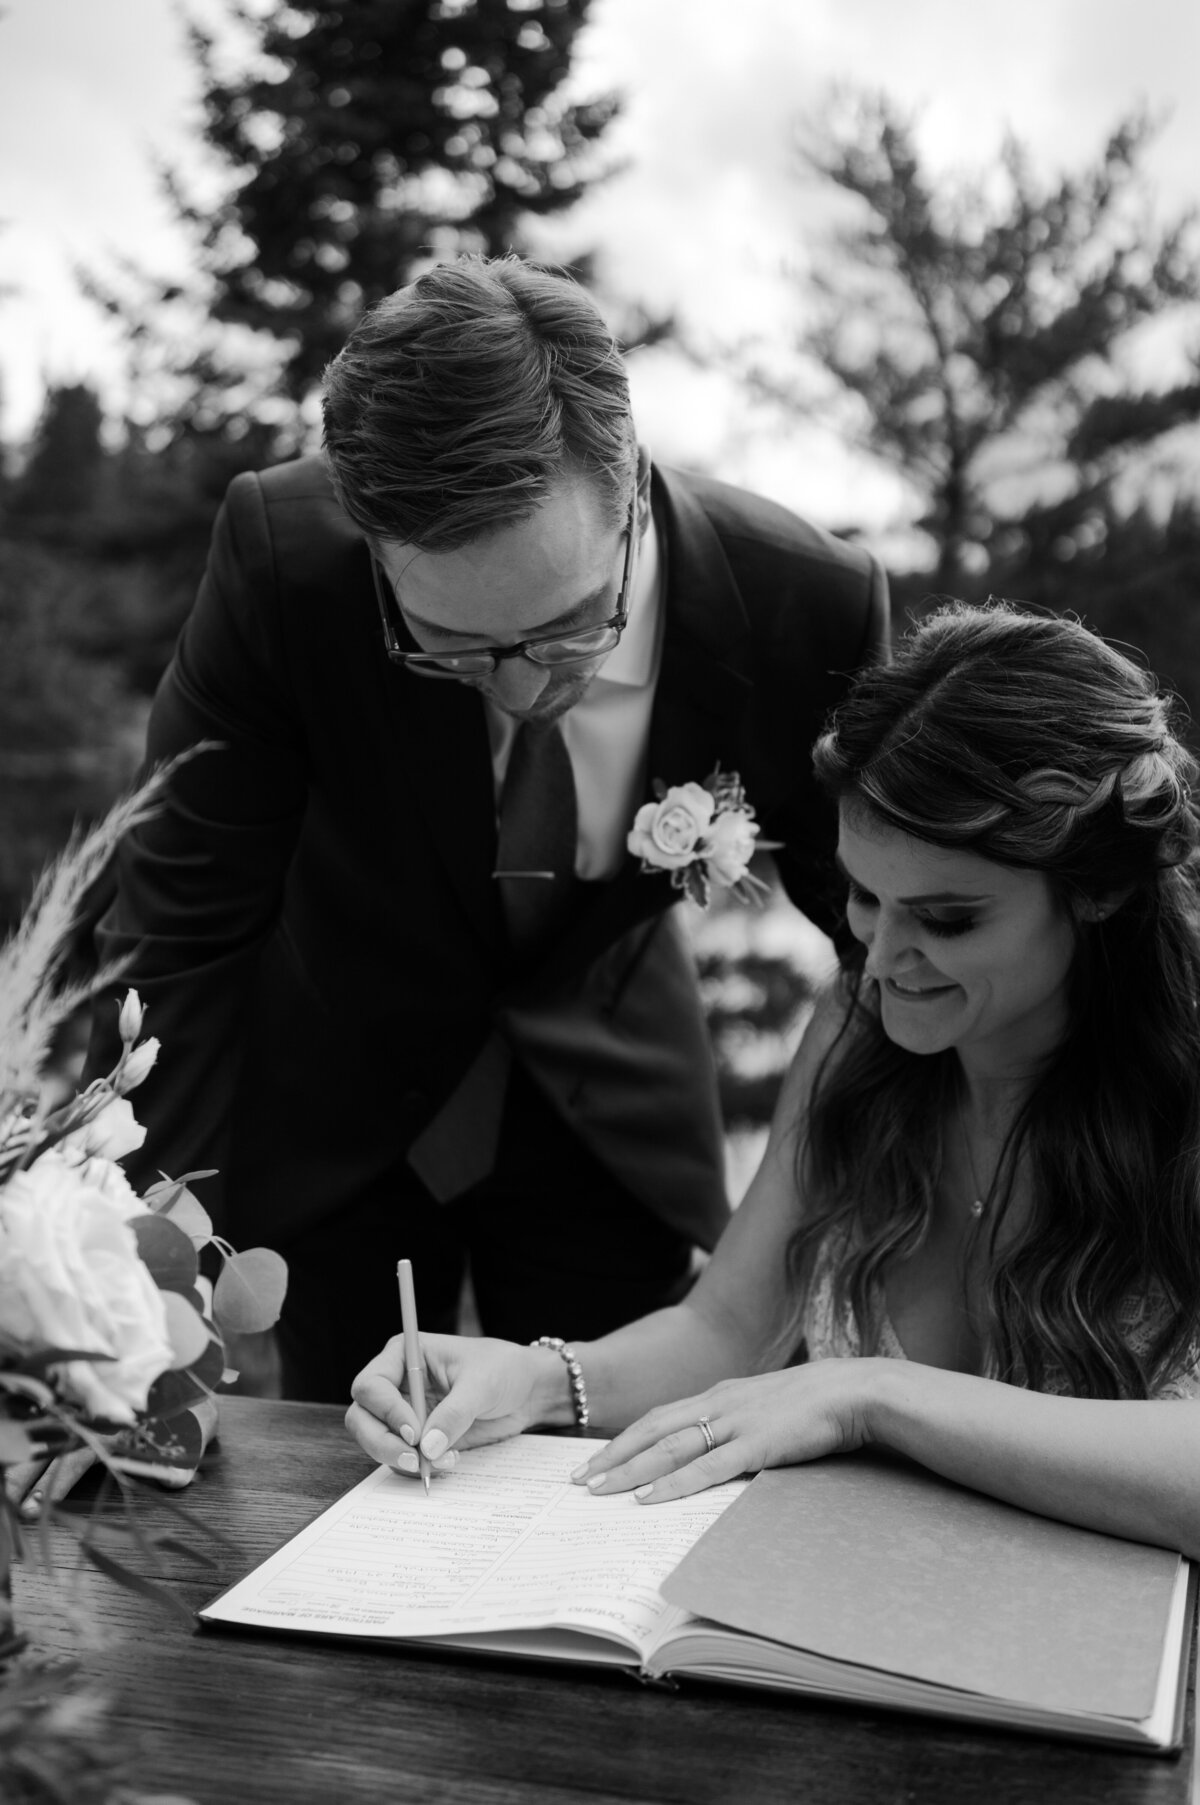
{"points": [[978, 1206]]}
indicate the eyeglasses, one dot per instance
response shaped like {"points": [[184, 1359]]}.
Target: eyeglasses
{"points": [[480, 661]]}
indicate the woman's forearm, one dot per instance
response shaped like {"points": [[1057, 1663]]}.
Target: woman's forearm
{"points": [[671, 1354], [1128, 1469]]}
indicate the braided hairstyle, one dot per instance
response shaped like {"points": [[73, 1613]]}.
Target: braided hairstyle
{"points": [[1028, 740]]}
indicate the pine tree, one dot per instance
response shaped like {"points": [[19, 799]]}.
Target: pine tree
{"points": [[1133, 574], [360, 139], [60, 478], [976, 322]]}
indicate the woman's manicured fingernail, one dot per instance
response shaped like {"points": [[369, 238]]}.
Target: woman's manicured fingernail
{"points": [[408, 1433], [596, 1481], [580, 1473], [407, 1463], [434, 1445], [642, 1491], [446, 1462]]}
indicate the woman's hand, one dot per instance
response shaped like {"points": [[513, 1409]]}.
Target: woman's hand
{"points": [[771, 1420], [476, 1390]]}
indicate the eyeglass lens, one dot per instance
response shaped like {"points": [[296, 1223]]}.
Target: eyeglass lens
{"points": [[577, 648]]}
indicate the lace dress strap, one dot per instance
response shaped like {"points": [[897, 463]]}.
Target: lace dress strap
{"points": [[832, 1334], [1140, 1320]]}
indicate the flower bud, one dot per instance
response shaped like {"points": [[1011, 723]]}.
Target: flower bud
{"points": [[137, 1066], [129, 1022]]}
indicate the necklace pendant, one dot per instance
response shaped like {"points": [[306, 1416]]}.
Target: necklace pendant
{"points": [[977, 1207]]}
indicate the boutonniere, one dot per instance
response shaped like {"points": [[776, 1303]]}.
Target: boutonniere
{"points": [[703, 834]]}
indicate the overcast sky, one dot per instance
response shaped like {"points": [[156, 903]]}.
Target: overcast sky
{"points": [[706, 220]]}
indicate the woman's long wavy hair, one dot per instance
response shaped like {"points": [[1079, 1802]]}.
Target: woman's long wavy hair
{"points": [[1028, 740]]}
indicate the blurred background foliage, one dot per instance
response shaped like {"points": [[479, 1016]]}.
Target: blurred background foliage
{"points": [[980, 335]]}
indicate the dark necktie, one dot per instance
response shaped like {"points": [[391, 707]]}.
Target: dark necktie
{"points": [[535, 867], [535, 858]]}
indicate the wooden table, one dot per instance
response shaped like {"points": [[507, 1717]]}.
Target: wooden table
{"points": [[237, 1719]]}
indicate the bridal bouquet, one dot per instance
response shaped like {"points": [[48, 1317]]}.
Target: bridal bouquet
{"points": [[112, 1342]]}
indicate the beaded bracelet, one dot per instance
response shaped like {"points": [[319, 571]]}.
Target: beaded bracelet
{"points": [[574, 1372]]}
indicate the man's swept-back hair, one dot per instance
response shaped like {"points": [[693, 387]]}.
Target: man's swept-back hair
{"points": [[1026, 739], [458, 403]]}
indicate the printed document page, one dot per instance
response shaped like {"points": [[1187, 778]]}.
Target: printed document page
{"points": [[503, 1542]]}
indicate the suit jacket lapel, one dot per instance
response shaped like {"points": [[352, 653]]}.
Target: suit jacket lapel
{"points": [[704, 685], [705, 678]]}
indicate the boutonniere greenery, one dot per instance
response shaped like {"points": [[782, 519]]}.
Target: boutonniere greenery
{"points": [[703, 834]]}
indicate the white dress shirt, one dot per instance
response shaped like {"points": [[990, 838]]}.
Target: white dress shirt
{"points": [[607, 732]]}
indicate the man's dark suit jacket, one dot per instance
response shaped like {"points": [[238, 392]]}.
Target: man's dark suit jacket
{"points": [[312, 920]]}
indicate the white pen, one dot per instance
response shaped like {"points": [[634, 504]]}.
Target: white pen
{"points": [[413, 1364]]}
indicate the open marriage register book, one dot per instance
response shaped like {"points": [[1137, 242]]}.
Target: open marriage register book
{"points": [[855, 1578]]}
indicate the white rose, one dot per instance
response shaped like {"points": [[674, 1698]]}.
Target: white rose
{"points": [[71, 1277], [729, 847], [109, 1178], [668, 833], [112, 1132]]}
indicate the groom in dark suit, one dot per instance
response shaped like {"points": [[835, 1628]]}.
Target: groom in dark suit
{"points": [[414, 995]]}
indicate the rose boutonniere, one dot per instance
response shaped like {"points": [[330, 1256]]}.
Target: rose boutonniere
{"points": [[703, 834]]}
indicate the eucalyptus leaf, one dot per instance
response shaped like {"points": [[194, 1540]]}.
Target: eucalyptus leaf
{"points": [[174, 1391], [210, 1366], [187, 1212], [185, 1330], [249, 1294], [177, 1443], [160, 1196], [167, 1253]]}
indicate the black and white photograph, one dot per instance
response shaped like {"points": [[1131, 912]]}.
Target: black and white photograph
{"points": [[599, 902]]}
